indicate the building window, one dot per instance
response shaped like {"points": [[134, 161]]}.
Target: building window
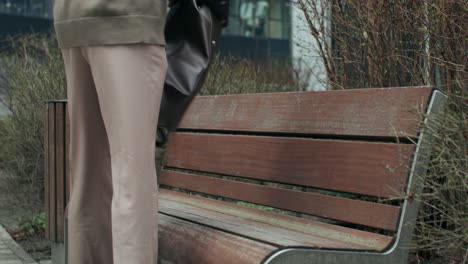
{"points": [[260, 18], [40, 8]]}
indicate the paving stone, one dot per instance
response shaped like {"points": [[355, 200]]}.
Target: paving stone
{"points": [[11, 252], [5, 251], [11, 262], [8, 257]]}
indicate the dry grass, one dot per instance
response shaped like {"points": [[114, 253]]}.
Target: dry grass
{"points": [[33, 73], [382, 43], [442, 227], [238, 76]]}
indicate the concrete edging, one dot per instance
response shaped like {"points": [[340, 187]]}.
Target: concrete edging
{"points": [[15, 248]]}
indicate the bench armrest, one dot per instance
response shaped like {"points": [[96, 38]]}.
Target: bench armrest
{"points": [[325, 256]]}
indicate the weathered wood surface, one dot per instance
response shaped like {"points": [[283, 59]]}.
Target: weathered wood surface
{"points": [[262, 232], [336, 208], [274, 228], [200, 230], [56, 169], [52, 176], [185, 242], [383, 112], [60, 169], [370, 168], [67, 149], [46, 172]]}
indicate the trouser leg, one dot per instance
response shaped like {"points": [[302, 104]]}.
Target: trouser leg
{"points": [[89, 208], [128, 82]]}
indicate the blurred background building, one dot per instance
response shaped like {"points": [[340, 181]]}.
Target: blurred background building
{"points": [[22, 16], [260, 30], [34, 8]]}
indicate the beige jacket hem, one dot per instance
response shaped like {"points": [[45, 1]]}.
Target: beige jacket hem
{"points": [[92, 31]]}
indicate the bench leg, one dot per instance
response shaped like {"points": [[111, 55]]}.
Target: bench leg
{"points": [[59, 249], [58, 253]]}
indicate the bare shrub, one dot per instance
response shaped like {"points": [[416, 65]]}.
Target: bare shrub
{"points": [[380, 43], [33, 73], [442, 227], [229, 75]]}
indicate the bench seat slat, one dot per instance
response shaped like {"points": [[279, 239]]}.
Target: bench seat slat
{"points": [[367, 168], [337, 208], [265, 233], [383, 112], [278, 232], [185, 242]]}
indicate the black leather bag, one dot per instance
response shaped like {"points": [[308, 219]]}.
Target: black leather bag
{"points": [[192, 31]]}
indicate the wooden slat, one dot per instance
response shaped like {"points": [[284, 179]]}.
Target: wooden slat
{"points": [[306, 226], [52, 181], [385, 112], [60, 169], [185, 242], [46, 172], [337, 208], [265, 233], [67, 149], [377, 169]]}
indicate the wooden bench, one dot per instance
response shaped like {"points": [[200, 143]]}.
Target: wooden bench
{"points": [[57, 178], [307, 177]]}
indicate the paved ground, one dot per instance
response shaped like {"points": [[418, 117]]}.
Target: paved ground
{"points": [[10, 252]]}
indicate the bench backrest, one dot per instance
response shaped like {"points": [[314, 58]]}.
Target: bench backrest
{"points": [[341, 155]]}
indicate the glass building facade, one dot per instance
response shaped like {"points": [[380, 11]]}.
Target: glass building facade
{"points": [[258, 29], [249, 18], [30, 8], [260, 18]]}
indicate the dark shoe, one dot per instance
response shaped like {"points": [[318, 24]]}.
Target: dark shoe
{"points": [[162, 137]]}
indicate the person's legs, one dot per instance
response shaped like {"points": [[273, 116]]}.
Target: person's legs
{"points": [[129, 82], [89, 209], [114, 95]]}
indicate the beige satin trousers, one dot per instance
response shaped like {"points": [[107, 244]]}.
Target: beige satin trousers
{"points": [[114, 95]]}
